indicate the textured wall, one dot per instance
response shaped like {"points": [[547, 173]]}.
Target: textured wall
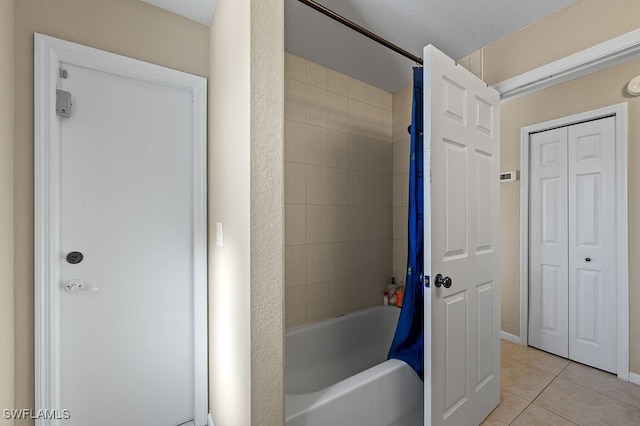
{"points": [[6, 209], [338, 192], [127, 27], [267, 215], [580, 26]]}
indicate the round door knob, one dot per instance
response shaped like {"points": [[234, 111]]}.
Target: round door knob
{"points": [[443, 281], [588, 259], [446, 282], [75, 257]]}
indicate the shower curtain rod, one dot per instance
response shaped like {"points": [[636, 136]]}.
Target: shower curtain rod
{"points": [[365, 32]]}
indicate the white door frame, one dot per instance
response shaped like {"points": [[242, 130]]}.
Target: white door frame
{"points": [[49, 53], [622, 262]]}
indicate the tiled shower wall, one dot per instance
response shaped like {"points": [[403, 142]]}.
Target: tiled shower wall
{"points": [[339, 184], [401, 144]]}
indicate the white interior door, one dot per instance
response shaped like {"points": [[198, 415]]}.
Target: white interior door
{"points": [[130, 294], [462, 321], [548, 236], [573, 243]]}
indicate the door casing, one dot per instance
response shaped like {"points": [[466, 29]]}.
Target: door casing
{"points": [[49, 53], [621, 215]]}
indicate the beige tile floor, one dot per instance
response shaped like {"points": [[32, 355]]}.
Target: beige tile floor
{"points": [[542, 389]]}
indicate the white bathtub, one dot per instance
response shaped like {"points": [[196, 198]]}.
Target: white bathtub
{"points": [[336, 373]]}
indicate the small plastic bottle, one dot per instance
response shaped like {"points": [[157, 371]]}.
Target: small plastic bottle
{"points": [[399, 296], [386, 298]]}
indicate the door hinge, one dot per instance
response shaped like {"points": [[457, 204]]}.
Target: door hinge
{"points": [[63, 104]]}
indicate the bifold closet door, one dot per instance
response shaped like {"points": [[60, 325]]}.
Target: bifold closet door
{"points": [[572, 229], [592, 244], [548, 239]]}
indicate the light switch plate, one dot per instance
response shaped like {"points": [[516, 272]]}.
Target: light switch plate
{"points": [[219, 234]]}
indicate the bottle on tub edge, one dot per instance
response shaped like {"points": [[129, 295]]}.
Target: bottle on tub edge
{"points": [[392, 291]]}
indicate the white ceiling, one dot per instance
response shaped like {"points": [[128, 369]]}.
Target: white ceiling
{"points": [[196, 10], [457, 27]]}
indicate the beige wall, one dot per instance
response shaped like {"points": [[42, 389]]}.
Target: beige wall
{"points": [[338, 192], [127, 27], [6, 209], [578, 27], [246, 195]]}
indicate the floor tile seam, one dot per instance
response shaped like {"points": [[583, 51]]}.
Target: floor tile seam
{"points": [[537, 368], [583, 387], [520, 413], [599, 392], [554, 413]]}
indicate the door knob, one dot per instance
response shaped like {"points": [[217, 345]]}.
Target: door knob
{"points": [[75, 257], [588, 259], [443, 281]]}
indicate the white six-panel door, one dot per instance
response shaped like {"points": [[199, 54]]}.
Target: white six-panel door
{"points": [[572, 236], [462, 323]]}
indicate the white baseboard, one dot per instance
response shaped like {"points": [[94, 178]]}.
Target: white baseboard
{"points": [[210, 420], [634, 378], [510, 337]]}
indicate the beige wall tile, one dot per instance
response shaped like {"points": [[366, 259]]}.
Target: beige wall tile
{"points": [[373, 155], [316, 106], [387, 258], [400, 257], [318, 302], [357, 258], [317, 263], [317, 224], [356, 187], [337, 186], [316, 181], [373, 122], [338, 296], [294, 183], [475, 62], [386, 225], [338, 83], [294, 67], [357, 150], [387, 126], [400, 189], [337, 223], [401, 154], [295, 302], [295, 220], [400, 217], [356, 117], [373, 189], [357, 90], [337, 149], [295, 266], [316, 145], [294, 141], [338, 260], [387, 158], [358, 226], [373, 96], [294, 100], [338, 112], [387, 190], [387, 101], [316, 75]]}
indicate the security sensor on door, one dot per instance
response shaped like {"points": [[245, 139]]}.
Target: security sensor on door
{"points": [[508, 176]]}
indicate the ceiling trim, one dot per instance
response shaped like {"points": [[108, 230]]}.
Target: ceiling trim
{"points": [[613, 52]]}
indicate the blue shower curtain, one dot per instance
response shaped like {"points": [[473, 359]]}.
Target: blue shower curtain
{"points": [[408, 342]]}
